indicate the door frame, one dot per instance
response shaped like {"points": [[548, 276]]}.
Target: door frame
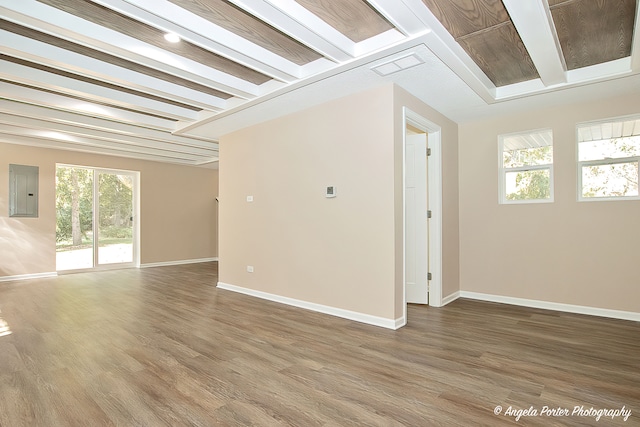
{"points": [[135, 258], [135, 263], [434, 203]]}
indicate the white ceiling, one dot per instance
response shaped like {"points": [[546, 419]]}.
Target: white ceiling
{"points": [[38, 107]]}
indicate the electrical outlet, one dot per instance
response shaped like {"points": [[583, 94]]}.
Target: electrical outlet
{"points": [[249, 198], [249, 268]]}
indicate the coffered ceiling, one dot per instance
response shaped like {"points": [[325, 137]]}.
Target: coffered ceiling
{"points": [[99, 76]]}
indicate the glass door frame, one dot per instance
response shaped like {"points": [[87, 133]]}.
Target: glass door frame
{"points": [[135, 262], [96, 220]]}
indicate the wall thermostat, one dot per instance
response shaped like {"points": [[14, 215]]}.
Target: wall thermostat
{"points": [[331, 191]]}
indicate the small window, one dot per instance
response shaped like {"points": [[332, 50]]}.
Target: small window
{"points": [[526, 167], [608, 157]]}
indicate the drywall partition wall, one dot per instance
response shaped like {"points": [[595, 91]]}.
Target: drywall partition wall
{"points": [[177, 210], [567, 252], [449, 168], [304, 248]]}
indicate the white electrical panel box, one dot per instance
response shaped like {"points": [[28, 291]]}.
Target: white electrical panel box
{"points": [[23, 191]]}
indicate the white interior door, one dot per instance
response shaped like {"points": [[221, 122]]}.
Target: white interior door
{"points": [[416, 222]]}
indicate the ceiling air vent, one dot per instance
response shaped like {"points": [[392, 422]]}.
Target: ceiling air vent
{"points": [[397, 65]]}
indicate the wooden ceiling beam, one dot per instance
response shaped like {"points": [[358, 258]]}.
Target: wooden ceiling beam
{"points": [[35, 96], [38, 78], [300, 24], [401, 16], [212, 37], [33, 14], [99, 124], [103, 137], [33, 50], [534, 23], [86, 141], [149, 35], [342, 14], [239, 22], [88, 147]]}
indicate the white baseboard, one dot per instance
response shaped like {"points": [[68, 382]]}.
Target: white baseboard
{"points": [[338, 312], [450, 298], [546, 305], [399, 323], [184, 261], [28, 276]]}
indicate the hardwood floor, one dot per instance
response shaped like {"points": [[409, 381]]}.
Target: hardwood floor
{"points": [[162, 346]]}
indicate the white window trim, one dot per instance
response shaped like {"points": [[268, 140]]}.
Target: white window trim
{"points": [[502, 186], [612, 161]]}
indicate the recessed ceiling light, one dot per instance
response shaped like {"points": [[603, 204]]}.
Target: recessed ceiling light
{"points": [[172, 37]]}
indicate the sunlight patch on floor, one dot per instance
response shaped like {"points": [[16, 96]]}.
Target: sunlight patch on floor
{"points": [[4, 328]]}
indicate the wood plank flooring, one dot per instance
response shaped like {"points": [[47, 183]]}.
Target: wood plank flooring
{"points": [[163, 347]]}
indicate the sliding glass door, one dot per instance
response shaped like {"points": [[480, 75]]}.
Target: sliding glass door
{"points": [[95, 218], [114, 218]]}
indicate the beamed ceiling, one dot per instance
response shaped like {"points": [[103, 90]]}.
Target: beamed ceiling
{"points": [[99, 76]]}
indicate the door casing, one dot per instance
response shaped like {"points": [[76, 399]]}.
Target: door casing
{"points": [[136, 220]]}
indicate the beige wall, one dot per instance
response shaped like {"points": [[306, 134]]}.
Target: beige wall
{"points": [[340, 252], [565, 252], [178, 210], [337, 252]]}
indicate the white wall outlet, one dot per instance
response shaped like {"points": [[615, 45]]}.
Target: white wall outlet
{"points": [[249, 268], [249, 198]]}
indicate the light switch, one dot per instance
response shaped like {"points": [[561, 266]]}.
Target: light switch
{"points": [[249, 198]]}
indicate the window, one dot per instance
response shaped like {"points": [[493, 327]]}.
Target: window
{"points": [[608, 157], [526, 167]]}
